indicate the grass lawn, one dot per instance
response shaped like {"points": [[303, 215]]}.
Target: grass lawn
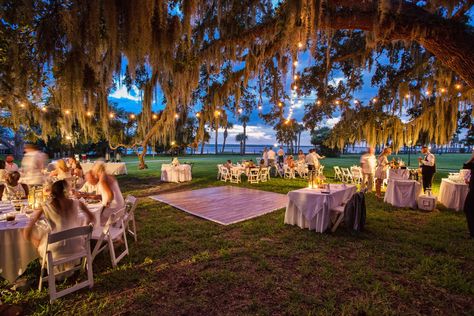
{"points": [[405, 262]]}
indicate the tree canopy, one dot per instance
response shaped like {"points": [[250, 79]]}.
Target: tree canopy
{"points": [[59, 60]]}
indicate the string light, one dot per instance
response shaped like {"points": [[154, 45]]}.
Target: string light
{"points": [[337, 102], [155, 117], [68, 137], [111, 115], [67, 112], [22, 105], [295, 63], [458, 86], [198, 114], [300, 45], [287, 122], [89, 113], [280, 104], [356, 101], [240, 110], [260, 107], [132, 116], [173, 143], [407, 95], [318, 102], [295, 77], [176, 116], [443, 90], [374, 100], [427, 92], [44, 109], [217, 113]]}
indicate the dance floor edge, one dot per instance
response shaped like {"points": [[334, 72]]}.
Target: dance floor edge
{"points": [[225, 205]]}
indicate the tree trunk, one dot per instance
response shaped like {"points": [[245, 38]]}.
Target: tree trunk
{"points": [[225, 138], [202, 146], [299, 141], [217, 134], [245, 137]]}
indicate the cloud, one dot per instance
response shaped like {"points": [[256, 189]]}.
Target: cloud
{"points": [[332, 121], [123, 93]]}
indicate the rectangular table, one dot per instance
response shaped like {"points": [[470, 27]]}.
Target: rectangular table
{"points": [[311, 208], [452, 194], [402, 193]]}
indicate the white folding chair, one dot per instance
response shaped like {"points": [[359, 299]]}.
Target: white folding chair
{"points": [[131, 203], [76, 234], [219, 174], [302, 170], [337, 173], [356, 175], [264, 175], [235, 175], [113, 231], [346, 175], [320, 170], [288, 172], [224, 173], [254, 175]]}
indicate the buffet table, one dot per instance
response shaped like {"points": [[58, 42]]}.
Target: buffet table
{"points": [[179, 173], [452, 194], [311, 208], [402, 193]]}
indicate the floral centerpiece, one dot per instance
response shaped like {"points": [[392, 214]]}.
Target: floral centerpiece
{"points": [[175, 162]]}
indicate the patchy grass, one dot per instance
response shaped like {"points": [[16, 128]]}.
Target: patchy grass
{"points": [[406, 262]]}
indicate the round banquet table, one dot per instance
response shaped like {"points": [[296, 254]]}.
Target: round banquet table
{"points": [[15, 251], [402, 193], [452, 194], [113, 168], [180, 173], [311, 208]]}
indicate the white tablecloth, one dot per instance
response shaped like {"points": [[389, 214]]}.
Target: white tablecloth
{"points": [[15, 251], [180, 173], [398, 174], [310, 208], [452, 194], [402, 193]]}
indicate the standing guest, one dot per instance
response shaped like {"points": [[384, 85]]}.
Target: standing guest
{"points": [[265, 155], [316, 158], [62, 213], [381, 171], [428, 167], [281, 156], [13, 189], [33, 163], [469, 202], [61, 171], [118, 157], [310, 162], [107, 156], [10, 166], [301, 156], [108, 190], [271, 157], [368, 162]]}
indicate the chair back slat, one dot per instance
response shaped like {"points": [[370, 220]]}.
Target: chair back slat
{"points": [[69, 233]]}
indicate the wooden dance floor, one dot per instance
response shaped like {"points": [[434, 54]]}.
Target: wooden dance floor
{"points": [[225, 204]]}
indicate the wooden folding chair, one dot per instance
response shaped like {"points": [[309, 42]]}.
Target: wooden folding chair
{"points": [[235, 175], [254, 175], [50, 261], [338, 173], [113, 231], [264, 175]]}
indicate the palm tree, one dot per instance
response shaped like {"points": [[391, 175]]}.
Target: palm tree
{"points": [[226, 134], [299, 129], [205, 139], [244, 120], [241, 138]]}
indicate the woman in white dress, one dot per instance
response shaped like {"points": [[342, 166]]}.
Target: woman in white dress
{"points": [[61, 213], [108, 190], [265, 156], [381, 171]]}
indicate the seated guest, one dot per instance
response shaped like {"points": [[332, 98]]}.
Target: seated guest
{"points": [[251, 164], [10, 166], [90, 186], [290, 162], [61, 171], [301, 156], [13, 190], [108, 190], [228, 164], [262, 163], [61, 213], [77, 170]]}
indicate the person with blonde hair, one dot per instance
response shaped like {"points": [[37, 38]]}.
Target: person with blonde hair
{"points": [[108, 190], [61, 171], [381, 171], [13, 189]]}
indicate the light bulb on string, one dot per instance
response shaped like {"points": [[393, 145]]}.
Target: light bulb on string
{"points": [[407, 96], [356, 101], [67, 112], [155, 117], [337, 102], [217, 113], [280, 104], [240, 110], [22, 105], [259, 107], [295, 77], [132, 116], [111, 115], [295, 63], [198, 114], [300, 45], [173, 143], [318, 102], [458, 86], [428, 92], [89, 113], [44, 109], [442, 90], [374, 100], [176, 116]]}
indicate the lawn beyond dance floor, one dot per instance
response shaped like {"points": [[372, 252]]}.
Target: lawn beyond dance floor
{"points": [[406, 262]]}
